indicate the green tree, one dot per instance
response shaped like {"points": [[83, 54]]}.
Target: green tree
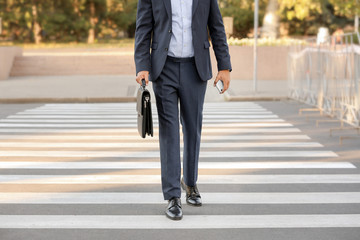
{"points": [[243, 13], [122, 15], [347, 8], [299, 9], [306, 16]]}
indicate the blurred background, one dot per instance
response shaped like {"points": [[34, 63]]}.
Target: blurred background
{"points": [[285, 152], [69, 49], [113, 21]]}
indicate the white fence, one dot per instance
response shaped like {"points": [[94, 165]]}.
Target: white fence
{"points": [[327, 75]]}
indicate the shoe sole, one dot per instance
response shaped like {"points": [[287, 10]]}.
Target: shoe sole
{"points": [[194, 205], [174, 218]]}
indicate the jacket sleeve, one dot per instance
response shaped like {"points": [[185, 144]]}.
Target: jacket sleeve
{"points": [[218, 37], [144, 27]]}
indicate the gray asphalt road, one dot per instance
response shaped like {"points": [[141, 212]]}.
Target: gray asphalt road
{"points": [[80, 171]]}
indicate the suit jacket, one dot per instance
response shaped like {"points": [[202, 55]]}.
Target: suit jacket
{"points": [[153, 29]]}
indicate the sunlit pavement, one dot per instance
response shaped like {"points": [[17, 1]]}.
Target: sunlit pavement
{"points": [[80, 171]]}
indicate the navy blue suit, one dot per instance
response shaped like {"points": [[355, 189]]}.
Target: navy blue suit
{"points": [[154, 17], [179, 81]]}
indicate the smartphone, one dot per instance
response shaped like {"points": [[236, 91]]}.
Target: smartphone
{"points": [[220, 86]]}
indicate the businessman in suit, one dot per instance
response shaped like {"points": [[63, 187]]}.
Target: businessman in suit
{"points": [[179, 66]]}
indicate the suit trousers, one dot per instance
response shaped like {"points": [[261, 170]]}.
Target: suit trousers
{"points": [[179, 84]]}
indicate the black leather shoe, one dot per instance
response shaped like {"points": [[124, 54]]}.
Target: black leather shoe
{"points": [[173, 210], [193, 197]]}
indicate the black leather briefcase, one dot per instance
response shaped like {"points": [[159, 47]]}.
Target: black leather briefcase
{"points": [[144, 114]]}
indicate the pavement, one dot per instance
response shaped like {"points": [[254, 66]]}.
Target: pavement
{"points": [[81, 171], [119, 88], [73, 170]]}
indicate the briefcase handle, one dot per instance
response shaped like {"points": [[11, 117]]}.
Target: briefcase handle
{"points": [[143, 83]]}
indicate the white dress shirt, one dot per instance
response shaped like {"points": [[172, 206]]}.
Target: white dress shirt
{"points": [[181, 44]]}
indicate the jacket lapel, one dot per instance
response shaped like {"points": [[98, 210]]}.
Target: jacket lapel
{"points": [[194, 6], [167, 4]]}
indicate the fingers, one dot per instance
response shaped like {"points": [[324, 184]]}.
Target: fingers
{"points": [[142, 75], [216, 79], [138, 79], [146, 79], [226, 85], [224, 76]]}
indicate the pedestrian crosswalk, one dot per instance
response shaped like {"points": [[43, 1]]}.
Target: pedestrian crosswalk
{"points": [[155, 154], [156, 165], [156, 198], [192, 222], [46, 150], [204, 179]]}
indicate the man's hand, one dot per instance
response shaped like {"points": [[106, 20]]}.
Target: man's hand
{"points": [[223, 75], [143, 75]]}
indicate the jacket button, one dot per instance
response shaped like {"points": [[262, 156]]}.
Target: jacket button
{"points": [[170, 31], [166, 49]]}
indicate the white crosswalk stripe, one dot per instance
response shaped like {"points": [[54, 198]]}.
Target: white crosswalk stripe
{"points": [[134, 121], [189, 222], [156, 145], [156, 154], [156, 165], [157, 198], [242, 143], [133, 125], [103, 113], [203, 179], [155, 138], [124, 130], [130, 115]]}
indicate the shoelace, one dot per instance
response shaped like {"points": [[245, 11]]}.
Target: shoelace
{"points": [[194, 192], [176, 203]]}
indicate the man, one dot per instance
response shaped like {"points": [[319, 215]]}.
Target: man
{"points": [[179, 67]]}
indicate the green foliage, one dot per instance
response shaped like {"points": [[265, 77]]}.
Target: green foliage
{"points": [[243, 13], [70, 20], [123, 15], [243, 20], [66, 20], [299, 9], [348, 8], [101, 43], [264, 42], [304, 17]]}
